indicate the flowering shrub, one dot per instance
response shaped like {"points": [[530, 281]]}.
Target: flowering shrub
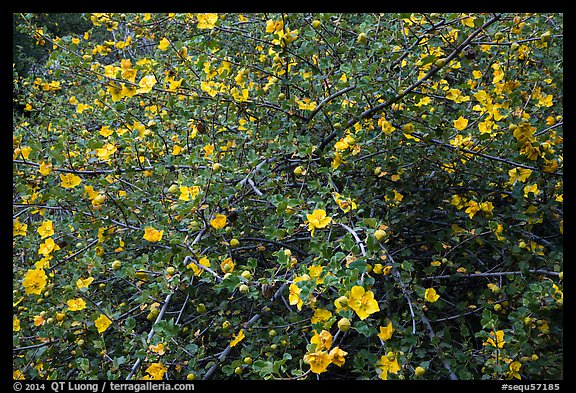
{"points": [[290, 196]]}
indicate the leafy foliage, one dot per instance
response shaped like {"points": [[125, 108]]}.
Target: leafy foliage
{"points": [[290, 196]]}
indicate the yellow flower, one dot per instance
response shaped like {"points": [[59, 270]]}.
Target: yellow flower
{"points": [[499, 342], [386, 332], [159, 349], [208, 150], [317, 219], [531, 189], [473, 208], [346, 204], [430, 295], [34, 281], [206, 21], [84, 282], [164, 44], [386, 127], [321, 315], [45, 169], [519, 174], [227, 265], [337, 356], [460, 123], [315, 273], [18, 228], [514, 370], [362, 302], [388, 363], [102, 323], [15, 324], [47, 247], [318, 361], [46, 229], [306, 104], [188, 192], [146, 84], [294, 296], [155, 371], [456, 96], [219, 221], [76, 304], [237, 338], [153, 235], [322, 340], [337, 160], [197, 270], [70, 180]]}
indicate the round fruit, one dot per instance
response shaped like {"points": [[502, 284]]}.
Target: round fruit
{"points": [[440, 63], [344, 324], [419, 371], [316, 23], [246, 274], [272, 333], [337, 126], [281, 96], [377, 170], [288, 252], [497, 307], [170, 270], [226, 325], [238, 370], [515, 46], [244, 288], [116, 265], [247, 360], [379, 235], [362, 39], [217, 167], [534, 357], [141, 275], [173, 189], [201, 308], [561, 276], [298, 170], [343, 300], [234, 242], [191, 377]]}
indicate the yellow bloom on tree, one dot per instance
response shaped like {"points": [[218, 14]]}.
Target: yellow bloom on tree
{"points": [[337, 356], [164, 44], [188, 192], [430, 295], [337, 160], [227, 265], [47, 247], [76, 304], [155, 371], [306, 104], [318, 361], [497, 341], [46, 229], [219, 221], [386, 127], [102, 323], [34, 281], [388, 363], [322, 340], [15, 324], [346, 204], [519, 174], [70, 180], [514, 370], [320, 315], [294, 296], [146, 84], [84, 282], [198, 270], [362, 302], [153, 235], [386, 332], [18, 228], [531, 189], [45, 169], [317, 219], [237, 338], [460, 123], [457, 96], [208, 150], [206, 21]]}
